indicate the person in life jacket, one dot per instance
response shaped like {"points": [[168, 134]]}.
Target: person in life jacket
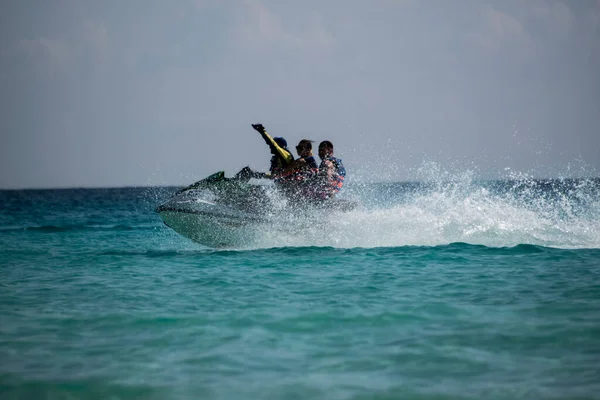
{"points": [[331, 172], [306, 160], [304, 167], [281, 159], [297, 180]]}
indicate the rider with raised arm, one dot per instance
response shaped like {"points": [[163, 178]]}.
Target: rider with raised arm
{"points": [[281, 158]]}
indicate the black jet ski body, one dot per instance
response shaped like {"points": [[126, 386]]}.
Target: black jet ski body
{"points": [[222, 212]]}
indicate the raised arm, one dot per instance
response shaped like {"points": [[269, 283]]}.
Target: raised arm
{"points": [[285, 155]]}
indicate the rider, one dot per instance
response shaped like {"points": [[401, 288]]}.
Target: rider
{"points": [[281, 160], [304, 167], [298, 179], [306, 159], [331, 172]]}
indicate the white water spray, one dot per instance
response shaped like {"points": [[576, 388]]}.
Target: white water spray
{"points": [[447, 208]]}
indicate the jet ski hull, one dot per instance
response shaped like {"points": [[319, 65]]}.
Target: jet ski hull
{"points": [[210, 224], [206, 230]]}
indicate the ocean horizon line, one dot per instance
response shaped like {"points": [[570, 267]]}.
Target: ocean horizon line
{"points": [[350, 183]]}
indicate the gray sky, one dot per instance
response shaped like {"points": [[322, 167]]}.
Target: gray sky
{"points": [[152, 92]]}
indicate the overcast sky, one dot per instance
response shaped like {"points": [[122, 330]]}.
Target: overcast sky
{"points": [[154, 92]]}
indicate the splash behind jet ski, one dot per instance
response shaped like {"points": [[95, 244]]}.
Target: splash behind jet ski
{"points": [[222, 212]]}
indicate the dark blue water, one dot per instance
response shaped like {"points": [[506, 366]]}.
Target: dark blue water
{"points": [[433, 290]]}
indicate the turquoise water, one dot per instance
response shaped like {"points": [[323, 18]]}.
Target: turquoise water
{"points": [[444, 290]]}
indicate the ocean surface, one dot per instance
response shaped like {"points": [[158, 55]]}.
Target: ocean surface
{"points": [[449, 289]]}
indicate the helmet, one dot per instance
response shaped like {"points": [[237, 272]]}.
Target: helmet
{"points": [[280, 141]]}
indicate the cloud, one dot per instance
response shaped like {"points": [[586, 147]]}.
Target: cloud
{"points": [[502, 26], [262, 26], [48, 55], [57, 55], [95, 40], [498, 31], [557, 15]]}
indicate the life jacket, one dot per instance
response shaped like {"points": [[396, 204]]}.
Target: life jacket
{"points": [[278, 165], [326, 186], [299, 175], [336, 181]]}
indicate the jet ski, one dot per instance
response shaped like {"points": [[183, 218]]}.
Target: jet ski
{"points": [[221, 212]]}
